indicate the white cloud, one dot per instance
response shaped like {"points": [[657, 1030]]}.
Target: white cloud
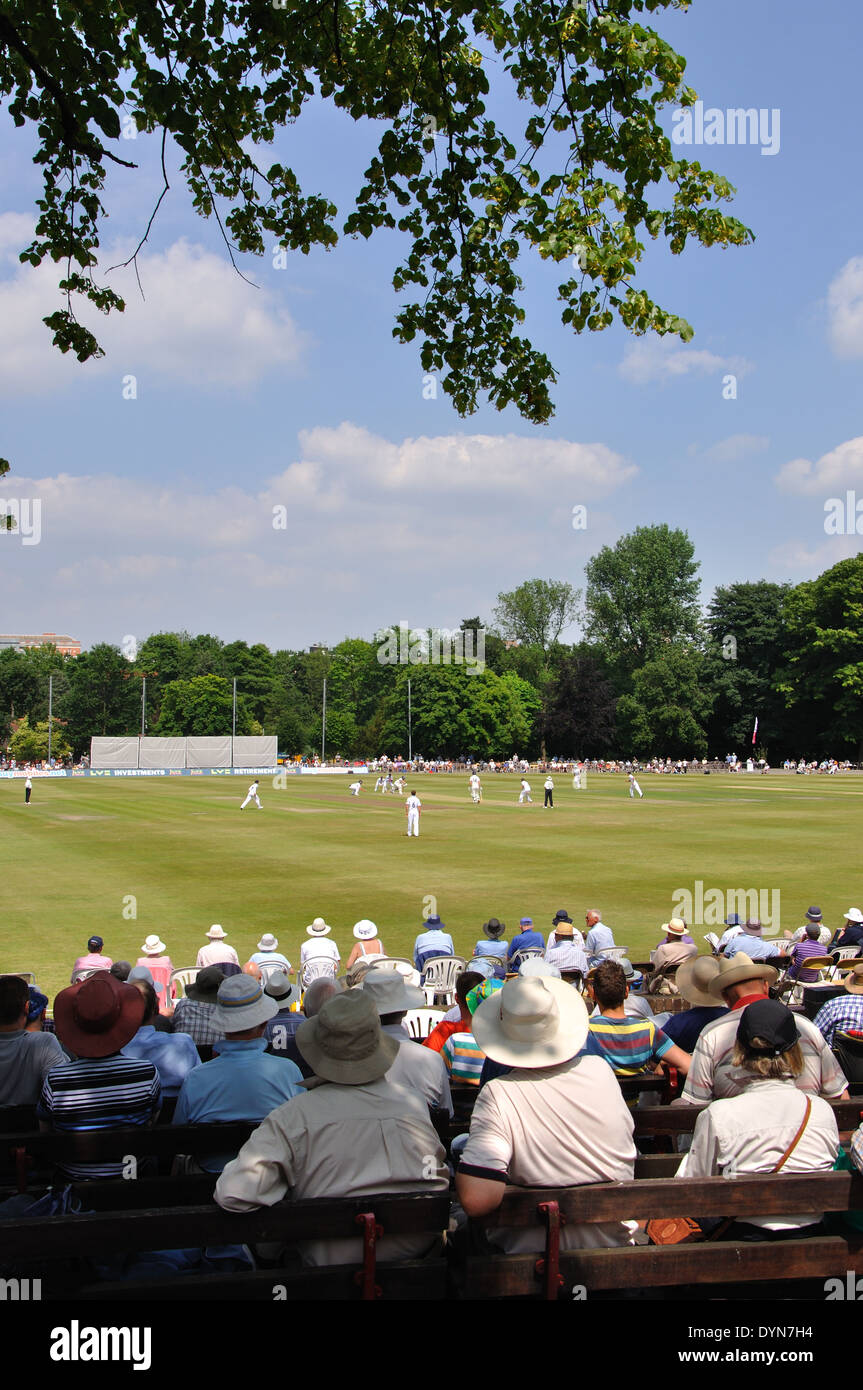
{"points": [[841, 468], [806, 561], [736, 447], [652, 358], [845, 309], [199, 323]]}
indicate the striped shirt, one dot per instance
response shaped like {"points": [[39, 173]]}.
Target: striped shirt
{"points": [[712, 1075], [99, 1093], [196, 1018], [799, 955], [629, 1043], [840, 1015], [463, 1058]]}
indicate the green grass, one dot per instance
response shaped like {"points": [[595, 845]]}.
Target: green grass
{"points": [[182, 849]]}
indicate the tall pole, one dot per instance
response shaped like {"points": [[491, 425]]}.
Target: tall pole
{"points": [[234, 718], [324, 726], [410, 746], [50, 714], [143, 703]]}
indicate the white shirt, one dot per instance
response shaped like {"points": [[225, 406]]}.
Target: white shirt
{"points": [[319, 948], [420, 1069], [413, 804], [548, 784], [474, 781], [216, 953], [28, 783], [525, 786], [750, 1133], [355, 786]]}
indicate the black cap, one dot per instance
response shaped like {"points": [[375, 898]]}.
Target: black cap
{"points": [[95, 943], [771, 1022]]}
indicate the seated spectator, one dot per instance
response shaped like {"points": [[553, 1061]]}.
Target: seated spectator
{"points": [[733, 927], [121, 969], [159, 963], [243, 1082], [462, 1056], [218, 952], [94, 959], [286, 995], [563, 916], [142, 978], [101, 1089], [844, 1013], [464, 983], [751, 943], [417, 1068], [634, 1005], [565, 952], [526, 939], [673, 950], [432, 943], [284, 1041], [302, 1149], [268, 957], [851, 933], [599, 937], [630, 1044], [770, 1126], [494, 944], [805, 950], [815, 916], [174, 1055], [317, 949], [196, 1012], [555, 1120], [368, 942], [25, 1057], [37, 1003], [713, 1075], [692, 980]]}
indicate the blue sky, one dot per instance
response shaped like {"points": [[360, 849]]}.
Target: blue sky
{"points": [[157, 511]]}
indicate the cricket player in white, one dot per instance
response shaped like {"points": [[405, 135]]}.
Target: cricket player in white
{"points": [[633, 786], [576, 780], [475, 788], [524, 794], [399, 785], [413, 806], [381, 784], [252, 795], [355, 788]]}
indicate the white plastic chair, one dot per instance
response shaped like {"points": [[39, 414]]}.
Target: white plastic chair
{"points": [[420, 1022], [84, 973], [404, 967], [615, 952], [439, 977], [318, 968], [184, 977]]}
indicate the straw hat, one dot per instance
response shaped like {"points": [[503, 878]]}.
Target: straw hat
{"points": [[674, 928], [318, 928], [693, 978], [344, 1043], [98, 1016], [735, 970], [532, 1023], [154, 946], [854, 975]]}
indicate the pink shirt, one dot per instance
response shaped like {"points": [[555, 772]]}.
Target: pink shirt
{"points": [[93, 961], [161, 968]]}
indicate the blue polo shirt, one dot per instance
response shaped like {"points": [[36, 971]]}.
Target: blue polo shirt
{"points": [[753, 946], [491, 948], [526, 940], [173, 1055], [599, 938], [242, 1083], [431, 943]]}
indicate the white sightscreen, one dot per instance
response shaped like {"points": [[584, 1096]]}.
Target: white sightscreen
{"points": [[109, 751], [162, 752], [208, 752], [256, 751]]}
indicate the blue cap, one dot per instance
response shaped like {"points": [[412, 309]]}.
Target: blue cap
{"points": [[37, 1005], [525, 922]]}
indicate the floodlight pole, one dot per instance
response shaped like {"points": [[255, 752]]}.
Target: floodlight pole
{"points": [[410, 746], [143, 704], [50, 714], [324, 727], [234, 717]]}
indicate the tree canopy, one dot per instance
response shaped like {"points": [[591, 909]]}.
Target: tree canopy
{"points": [[573, 166]]}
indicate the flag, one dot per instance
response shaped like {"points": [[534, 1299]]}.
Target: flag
{"points": [[755, 730]]}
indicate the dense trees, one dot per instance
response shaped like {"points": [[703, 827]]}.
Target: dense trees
{"points": [[658, 682]]}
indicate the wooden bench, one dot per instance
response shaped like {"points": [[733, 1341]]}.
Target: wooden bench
{"points": [[24, 1156], [554, 1273]]}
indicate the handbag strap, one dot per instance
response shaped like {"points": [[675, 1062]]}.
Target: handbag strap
{"points": [[798, 1136]]}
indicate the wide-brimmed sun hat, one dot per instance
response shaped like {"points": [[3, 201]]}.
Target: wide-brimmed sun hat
{"points": [[693, 978], [854, 915], [532, 1023], [98, 1016], [216, 933], [365, 930], [141, 972], [735, 970], [814, 914], [268, 942], [854, 975], [494, 928], [391, 993], [280, 988], [206, 984], [675, 927], [154, 946], [344, 1043], [563, 929], [318, 928], [241, 1004]]}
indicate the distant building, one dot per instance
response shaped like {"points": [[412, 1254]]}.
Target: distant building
{"points": [[68, 646]]}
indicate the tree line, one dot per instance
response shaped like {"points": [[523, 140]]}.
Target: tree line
{"points": [[653, 674]]}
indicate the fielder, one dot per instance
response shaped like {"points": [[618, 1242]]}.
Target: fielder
{"points": [[577, 783], [475, 789], [252, 795], [355, 788], [633, 786], [524, 794], [381, 784], [413, 806]]}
